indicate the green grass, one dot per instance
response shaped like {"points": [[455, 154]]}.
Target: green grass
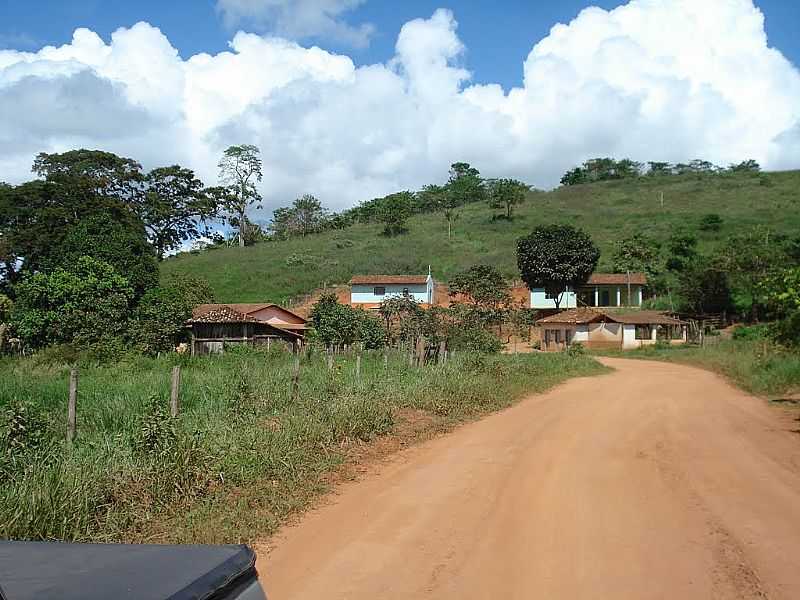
{"points": [[608, 211], [756, 366], [242, 456]]}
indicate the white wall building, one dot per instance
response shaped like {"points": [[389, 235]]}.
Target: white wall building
{"points": [[370, 290]]}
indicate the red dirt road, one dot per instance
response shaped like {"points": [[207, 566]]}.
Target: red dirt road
{"points": [[655, 481]]}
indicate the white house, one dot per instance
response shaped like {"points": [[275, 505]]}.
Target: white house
{"points": [[597, 329], [602, 290], [368, 291]]}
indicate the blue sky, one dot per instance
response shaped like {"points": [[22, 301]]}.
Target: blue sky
{"points": [[498, 34]]}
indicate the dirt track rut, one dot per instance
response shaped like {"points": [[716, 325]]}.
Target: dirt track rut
{"points": [[655, 481]]}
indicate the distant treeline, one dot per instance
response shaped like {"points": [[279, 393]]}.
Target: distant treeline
{"points": [[606, 169]]}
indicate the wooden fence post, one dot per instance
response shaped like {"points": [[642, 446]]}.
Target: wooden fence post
{"points": [[385, 358], [329, 359], [358, 367], [442, 352], [421, 347], [72, 406], [174, 395], [296, 378]]}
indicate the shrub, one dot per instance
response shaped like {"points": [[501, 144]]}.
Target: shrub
{"points": [[752, 332], [85, 305], [575, 349], [711, 222], [475, 339]]}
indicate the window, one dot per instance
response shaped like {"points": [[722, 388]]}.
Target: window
{"points": [[379, 291], [643, 332], [405, 292]]}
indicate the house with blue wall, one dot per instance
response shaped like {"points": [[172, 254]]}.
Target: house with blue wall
{"points": [[607, 290], [368, 291]]}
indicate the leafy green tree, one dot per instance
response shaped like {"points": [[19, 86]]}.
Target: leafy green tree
{"points": [[575, 176], [310, 215], [86, 305], [556, 257], [782, 291], [159, 320], [681, 250], [174, 207], [637, 253], [240, 169], [481, 285], [438, 198], [748, 258], [394, 211], [746, 166], [506, 194], [659, 168], [465, 185], [120, 242], [704, 288], [339, 324]]}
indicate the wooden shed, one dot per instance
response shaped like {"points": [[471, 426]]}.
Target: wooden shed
{"points": [[212, 329]]}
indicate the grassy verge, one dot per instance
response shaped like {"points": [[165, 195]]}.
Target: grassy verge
{"points": [[242, 456], [753, 365]]}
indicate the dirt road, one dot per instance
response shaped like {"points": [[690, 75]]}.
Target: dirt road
{"points": [[655, 481]]}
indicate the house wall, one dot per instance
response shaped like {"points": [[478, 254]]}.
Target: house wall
{"points": [[605, 335], [552, 342], [538, 299], [364, 293]]}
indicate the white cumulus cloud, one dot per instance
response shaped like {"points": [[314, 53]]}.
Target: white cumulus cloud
{"points": [[298, 19], [653, 80]]}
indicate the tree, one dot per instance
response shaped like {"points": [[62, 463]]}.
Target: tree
{"points": [[574, 176], [481, 285], [659, 168], [305, 215], [681, 250], [174, 206], [394, 211], [77, 184], [782, 291], [556, 257], [339, 324], [159, 320], [637, 253], [506, 194], [309, 214], [86, 305], [465, 185], [119, 242], [746, 166], [704, 287], [240, 170], [438, 198]]}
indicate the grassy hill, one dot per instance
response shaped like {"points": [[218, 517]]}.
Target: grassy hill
{"points": [[611, 210]]}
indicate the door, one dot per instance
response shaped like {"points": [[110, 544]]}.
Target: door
{"points": [[605, 298]]}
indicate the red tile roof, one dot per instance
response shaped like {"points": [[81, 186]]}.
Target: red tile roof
{"points": [[223, 314], [245, 309], [388, 279], [580, 316], [617, 279]]}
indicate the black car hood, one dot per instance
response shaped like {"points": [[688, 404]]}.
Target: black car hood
{"points": [[39, 570]]}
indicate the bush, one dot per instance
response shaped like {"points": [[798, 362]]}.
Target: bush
{"points": [[752, 332], [474, 339], [711, 222], [86, 305], [575, 349]]}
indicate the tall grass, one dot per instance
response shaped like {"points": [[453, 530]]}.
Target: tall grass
{"points": [[757, 366], [241, 456]]}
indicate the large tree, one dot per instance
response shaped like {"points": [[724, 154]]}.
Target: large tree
{"points": [[465, 184], [240, 169], [438, 198], [637, 253], [394, 211], [175, 207], [506, 194], [556, 257], [85, 304], [481, 285]]}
